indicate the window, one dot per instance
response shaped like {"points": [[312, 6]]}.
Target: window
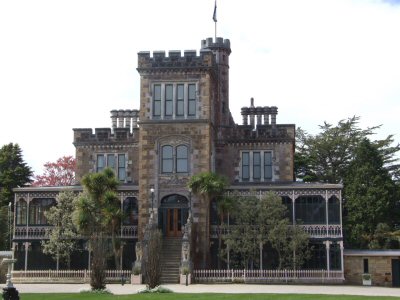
{"points": [[182, 159], [267, 165], [167, 159], [117, 162], [333, 210], [365, 265], [180, 101], [174, 100], [157, 100], [21, 212], [310, 209], [168, 100], [192, 100], [174, 159], [100, 163], [130, 210], [121, 167], [245, 166], [256, 166], [37, 209]]}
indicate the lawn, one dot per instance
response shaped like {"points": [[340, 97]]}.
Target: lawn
{"points": [[208, 296]]}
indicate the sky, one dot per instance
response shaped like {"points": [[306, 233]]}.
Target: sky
{"points": [[67, 63]]}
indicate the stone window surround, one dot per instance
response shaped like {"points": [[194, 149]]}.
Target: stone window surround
{"points": [[174, 101], [262, 178], [116, 167]]}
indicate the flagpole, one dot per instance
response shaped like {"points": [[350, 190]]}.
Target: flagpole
{"points": [[215, 19]]}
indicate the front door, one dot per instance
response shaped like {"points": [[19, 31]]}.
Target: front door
{"points": [[174, 222], [396, 272]]}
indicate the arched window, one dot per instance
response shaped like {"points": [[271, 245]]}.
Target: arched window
{"points": [[334, 210], [37, 208], [182, 159], [130, 210], [21, 212], [167, 159]]}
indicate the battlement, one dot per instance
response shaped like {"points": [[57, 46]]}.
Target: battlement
{"points": [[219, 43], [103, 136], [124, 119], [175, 60]]}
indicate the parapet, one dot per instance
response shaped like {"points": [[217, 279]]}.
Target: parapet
{"points": [[175, 60], [219, 43]]}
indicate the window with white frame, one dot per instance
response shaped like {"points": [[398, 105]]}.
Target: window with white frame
{"points": [[117, 162], [174, 159], [174, 100], [256, 165]]}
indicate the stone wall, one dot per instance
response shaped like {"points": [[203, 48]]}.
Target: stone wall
{"points": [[380, 268]]}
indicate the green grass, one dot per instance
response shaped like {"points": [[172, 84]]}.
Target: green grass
{"points": [[208, 296]]}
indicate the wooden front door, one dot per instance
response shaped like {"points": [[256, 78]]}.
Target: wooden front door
{"points": [[174, 222]]}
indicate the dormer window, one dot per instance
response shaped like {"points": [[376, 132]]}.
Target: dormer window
{"points": [[174, 101]]}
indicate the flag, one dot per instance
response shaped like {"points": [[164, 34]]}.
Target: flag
{"points": [[215, 12]]}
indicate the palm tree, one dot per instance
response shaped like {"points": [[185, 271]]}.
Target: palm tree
{"points": [[98, 215], [207, 185]]}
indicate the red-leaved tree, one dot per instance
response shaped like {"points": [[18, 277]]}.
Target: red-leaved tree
{"points": [[61, 172]]}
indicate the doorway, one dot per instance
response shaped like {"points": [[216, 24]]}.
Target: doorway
{"points": [[173, 214]]}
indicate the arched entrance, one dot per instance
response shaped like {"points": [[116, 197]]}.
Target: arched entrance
{"points": [[173, 214]]}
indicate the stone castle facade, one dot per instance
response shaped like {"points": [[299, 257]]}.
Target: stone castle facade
{"points": [[182, 127]]}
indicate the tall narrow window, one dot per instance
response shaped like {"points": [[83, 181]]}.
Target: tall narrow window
{"points": [[180, 100], [245, 166], [167, 159], [100, 163], [21, 212], [181, 159], [157, 100], [191, 100], [256, 166], [121, 167], [267, 165], [168, 100], [111, 161], [365, 265]]}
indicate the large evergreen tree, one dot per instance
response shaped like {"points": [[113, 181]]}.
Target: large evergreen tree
{"points": [[371, 197], [14, 172]]}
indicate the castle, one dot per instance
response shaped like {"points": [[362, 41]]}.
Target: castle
{"points": [[183, 127]]}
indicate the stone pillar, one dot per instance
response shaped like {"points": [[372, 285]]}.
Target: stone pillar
{"points": [[128, 116], [259, 112], [26, 244], [341, 257], [274, 112], [266, 115], [114, 114], [245, 115], [328, 259], [121, 116]]}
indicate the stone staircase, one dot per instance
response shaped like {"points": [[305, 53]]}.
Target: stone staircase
{"points": [[170, 260]]}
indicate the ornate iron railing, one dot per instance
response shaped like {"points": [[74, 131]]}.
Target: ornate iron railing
{"points": [[266, 276], [315, 231], [68, 276], [43, 232]]}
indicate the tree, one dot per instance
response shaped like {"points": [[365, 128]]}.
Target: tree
{"points": [[326, 156], [261, 221], [207, 185], [225, 205], [96, 216], [59, 173], [371, 197], [14, 172], [152, 260], [63, 236]]}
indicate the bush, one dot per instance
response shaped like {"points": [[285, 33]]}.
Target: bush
{"points": [[158, 289]]}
